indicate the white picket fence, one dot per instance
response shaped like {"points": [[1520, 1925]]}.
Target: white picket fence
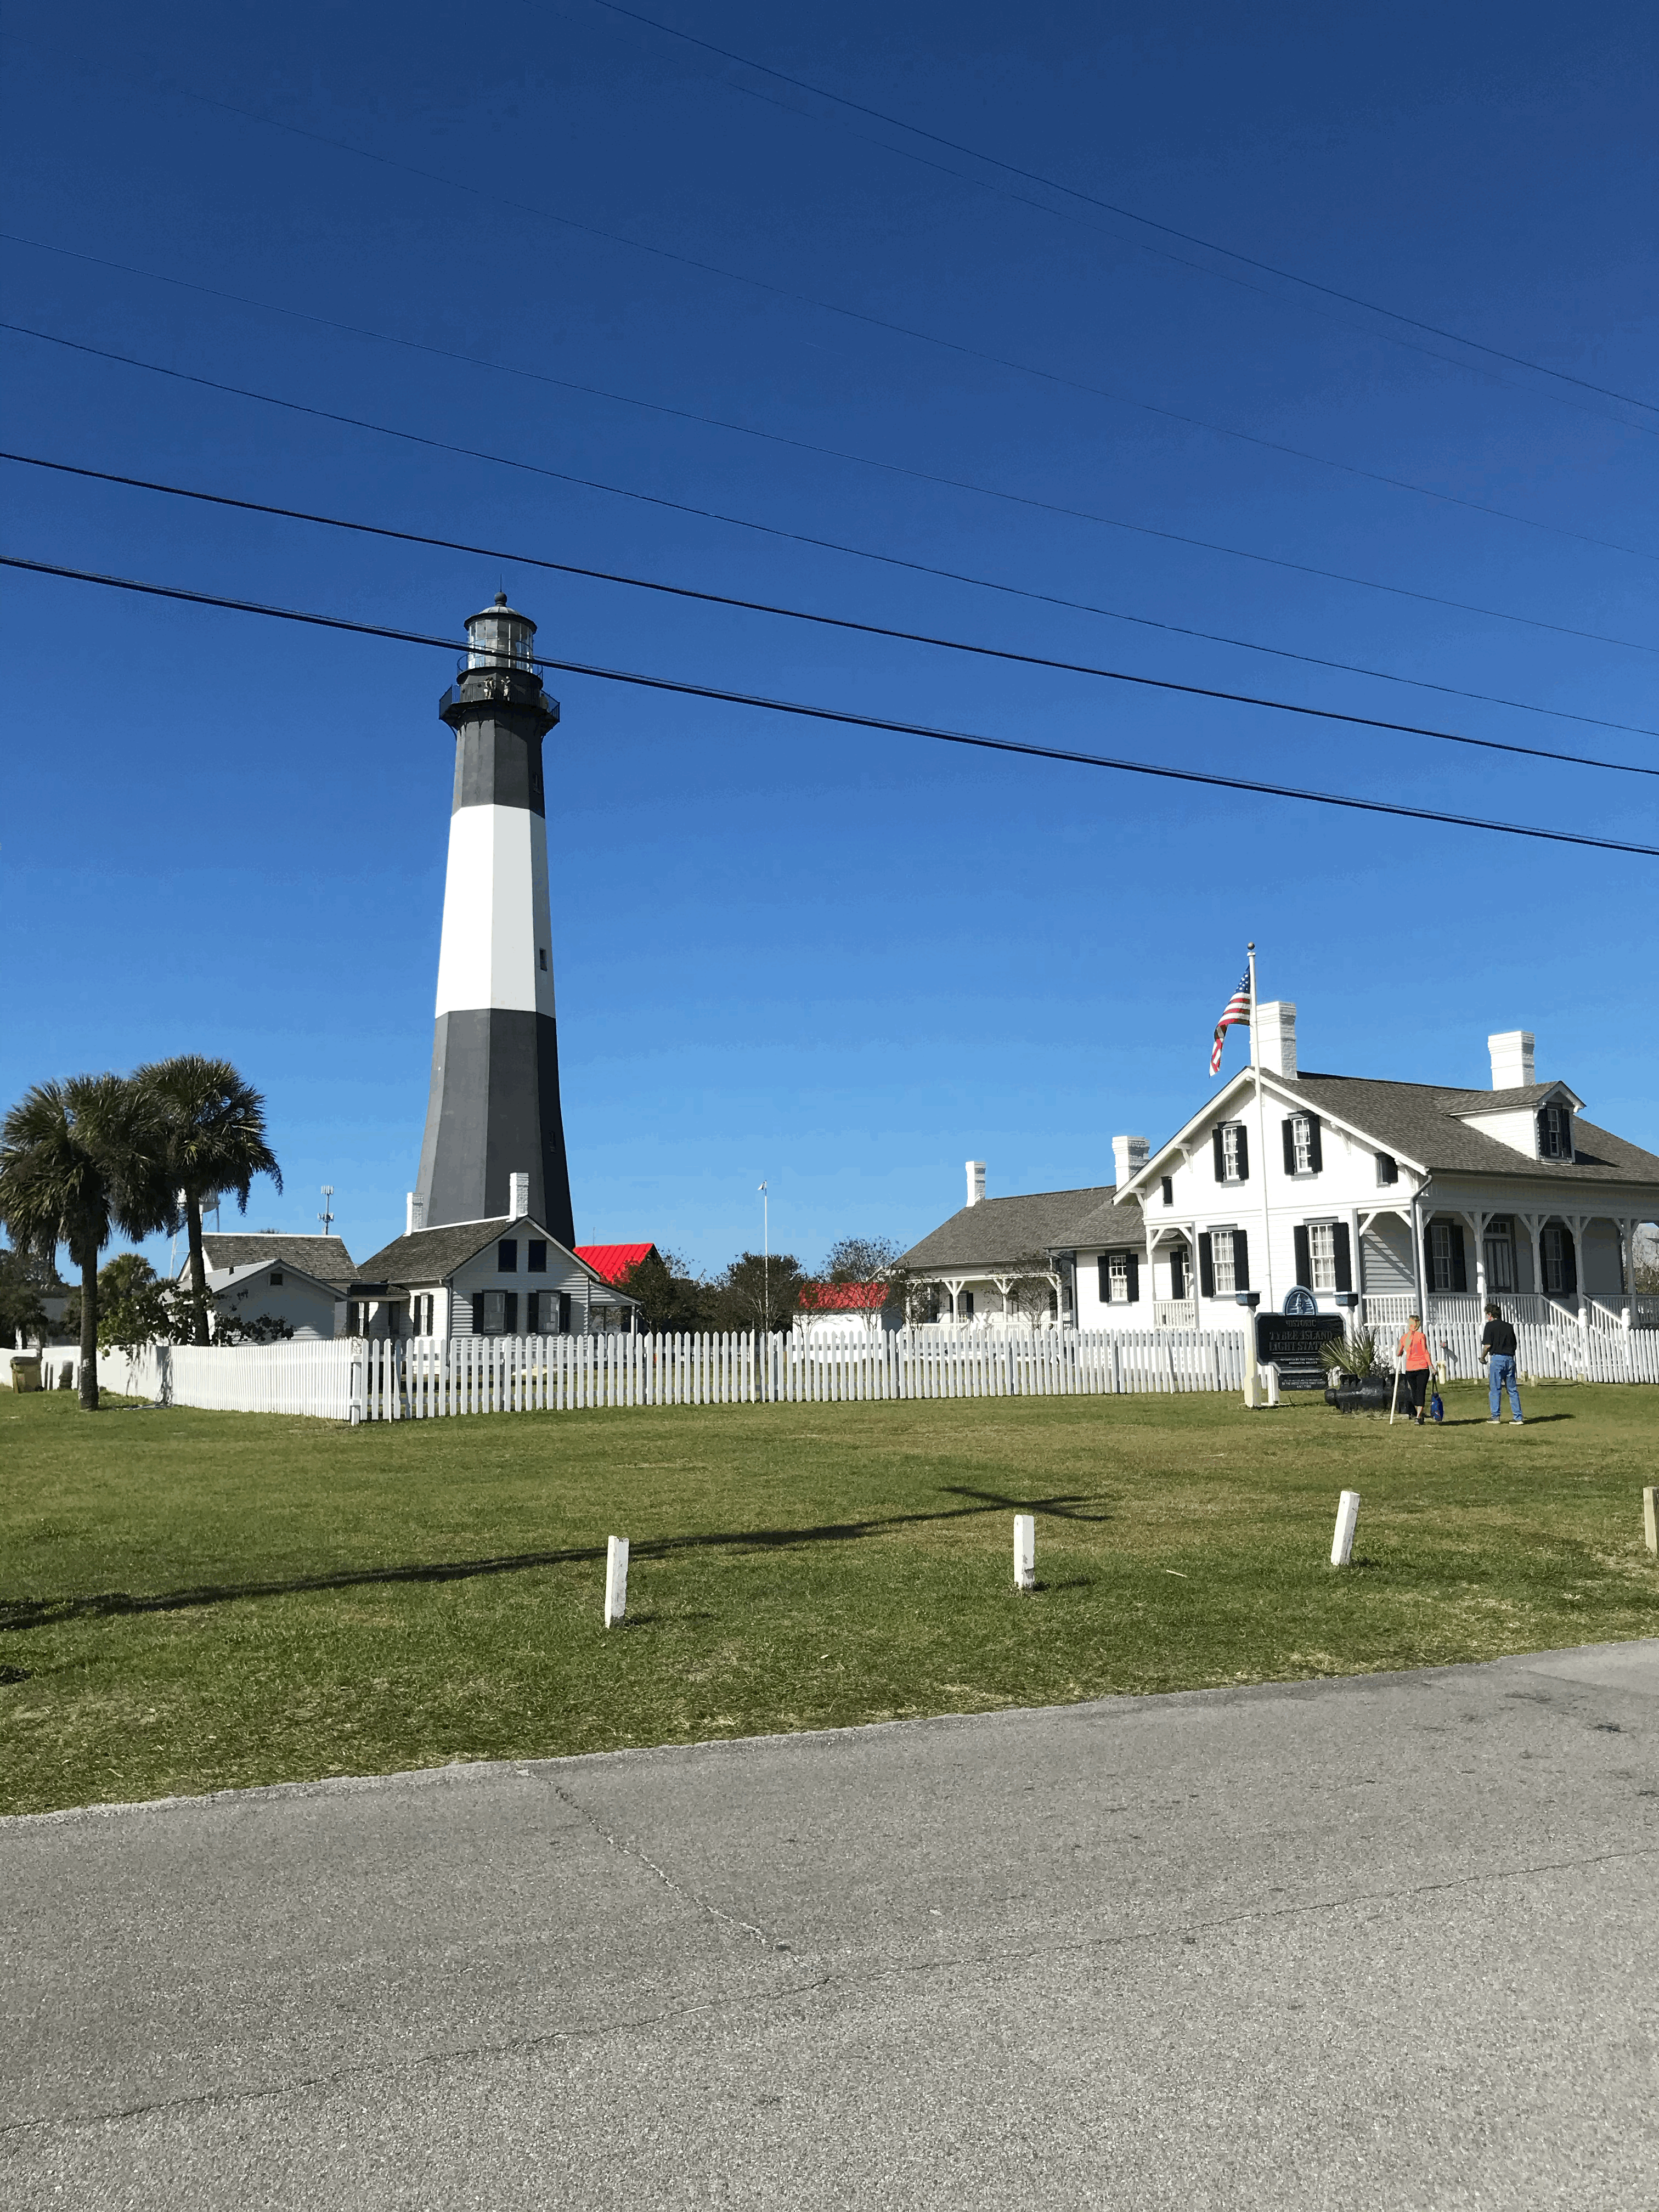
{"points": [[1560, 1355], [421, 1379]]}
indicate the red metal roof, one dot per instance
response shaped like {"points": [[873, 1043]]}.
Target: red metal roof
{"points": [[842, 1298], [613, 1261]]}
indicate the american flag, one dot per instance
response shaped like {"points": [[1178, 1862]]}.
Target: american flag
{"points": [[1238, 1009]]}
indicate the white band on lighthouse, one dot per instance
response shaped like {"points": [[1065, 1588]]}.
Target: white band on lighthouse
{"points": [[496, 950]]}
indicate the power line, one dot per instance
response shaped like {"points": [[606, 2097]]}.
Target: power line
{"points": [[863, 553], [684, 689], [1167, 230], [802, 445], [996, 190], [497, 200], [808, 615]]}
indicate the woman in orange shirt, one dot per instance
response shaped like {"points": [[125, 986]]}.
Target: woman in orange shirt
{"points": [[1418, 1361]]}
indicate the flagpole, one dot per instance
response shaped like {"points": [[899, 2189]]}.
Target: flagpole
{"points": [[1260, 1147]]}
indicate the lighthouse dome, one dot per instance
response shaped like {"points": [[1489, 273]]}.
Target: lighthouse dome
{"points": [[500, 637]]}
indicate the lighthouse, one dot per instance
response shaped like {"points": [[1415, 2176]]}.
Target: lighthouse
{"points": [[492, 1112]]}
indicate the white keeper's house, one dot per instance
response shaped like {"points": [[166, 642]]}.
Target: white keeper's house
{"points": [[1364, 1196]]}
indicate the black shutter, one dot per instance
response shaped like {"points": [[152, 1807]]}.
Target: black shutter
{"points": [[1241, 1260], [1289, 1127], [1460, 1266], [1135, 1278], [1243, 1153], [1169, 1191], [1540, 1121], [1344, 1258], [477, 1313], [1220, 1168], [564, 1313], [1105, 1281], [1206, 1264], [1304, 1258], [510, 1314], [1569, 1262], [1316, 1150]]}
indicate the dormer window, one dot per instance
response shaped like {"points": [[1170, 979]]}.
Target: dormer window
{"points": [[1555, 1133]]}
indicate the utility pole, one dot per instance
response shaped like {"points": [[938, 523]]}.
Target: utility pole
{"points": [[766, 1258], [326, 1217], [1261, 1149]]}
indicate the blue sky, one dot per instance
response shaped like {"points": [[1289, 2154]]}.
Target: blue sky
{"points": [[838, 961]]}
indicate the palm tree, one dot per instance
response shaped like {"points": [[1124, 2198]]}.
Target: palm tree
{"points": [[214, 1141], [77, 1161]]}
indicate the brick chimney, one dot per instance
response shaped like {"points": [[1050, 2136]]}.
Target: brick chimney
{"points": [[976, 1183], [413, 1212], [1513, 1059], [1132, 1154], [1275, 1038], [518, 1185]]}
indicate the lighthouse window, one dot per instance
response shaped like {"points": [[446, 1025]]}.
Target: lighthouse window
{"points": [[506, 1255], [541, 955], [535, 1256]]}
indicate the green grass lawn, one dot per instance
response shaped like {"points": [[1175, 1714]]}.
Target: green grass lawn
{"points": [[190, 1601]]}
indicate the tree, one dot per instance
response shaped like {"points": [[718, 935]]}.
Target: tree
{"points": [[755, 1292], [861, 1259], [77, 1160], [670, 1298], [24, 1283], [214, 1125]]}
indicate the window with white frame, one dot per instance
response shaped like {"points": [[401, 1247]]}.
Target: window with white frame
{"points": [[1117, 1279], [1302, 1150], [495, 1313], [1555, 1133], [1498, 1252], [1440, 1255], [1554, 1257], [1226, 1278], [1321, 1254], [1232, 1152]]}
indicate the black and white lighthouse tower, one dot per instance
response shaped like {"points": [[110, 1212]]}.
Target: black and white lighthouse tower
{"points": [[494, 1110]]}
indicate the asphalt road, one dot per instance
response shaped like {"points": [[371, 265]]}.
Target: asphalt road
{"points": [[1387, 1942]]}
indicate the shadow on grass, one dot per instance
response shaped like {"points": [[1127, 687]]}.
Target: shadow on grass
{"points": [[21, 1612]]}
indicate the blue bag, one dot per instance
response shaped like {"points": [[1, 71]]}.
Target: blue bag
{"points": [[1436, 1411]]}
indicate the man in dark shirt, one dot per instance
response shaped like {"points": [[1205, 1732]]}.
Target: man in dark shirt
{"points": [[1497, 1349]]}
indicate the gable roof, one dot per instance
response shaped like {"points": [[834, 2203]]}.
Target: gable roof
{"points": [[241, 1279], [325, 1257], [431, 1256], [1420, 1123], [1002, 1232], [613, 1261], [1420, 1120], [842, 1298], [1110, 1225]]}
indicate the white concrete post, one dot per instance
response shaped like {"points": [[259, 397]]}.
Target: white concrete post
{"points": [[1347, 1514], [1025, 1551], [1650, 1517], [1252, 1372], [616, 1579], [1271, 1371]]}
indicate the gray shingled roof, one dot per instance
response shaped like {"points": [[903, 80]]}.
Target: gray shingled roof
{"points": [[430, 1256], [999, 1232], [1110, 1225], [1420, 1122], [325, 1257]]}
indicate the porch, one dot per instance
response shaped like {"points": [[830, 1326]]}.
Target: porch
{"points": [[1537, 1309]]}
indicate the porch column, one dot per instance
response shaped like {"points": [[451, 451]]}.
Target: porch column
{"points": [[1418, 1274], [1478, 1221], [1356, 1273], [1152, 1279], [1533, 1223]]}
